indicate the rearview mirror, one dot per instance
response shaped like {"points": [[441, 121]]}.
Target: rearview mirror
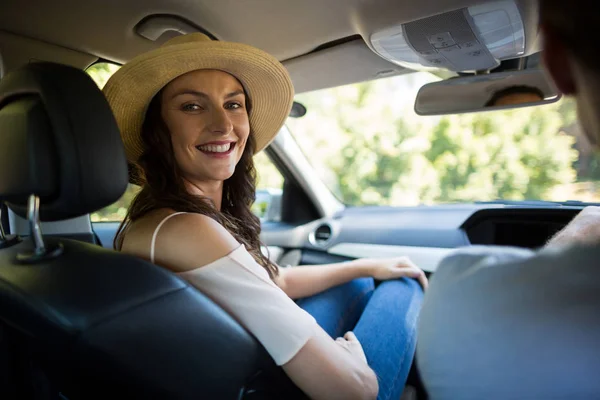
{"points": [[298, 110], [495, 91]]}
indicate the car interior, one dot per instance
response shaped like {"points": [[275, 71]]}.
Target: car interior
{"points": [[80, 320]]}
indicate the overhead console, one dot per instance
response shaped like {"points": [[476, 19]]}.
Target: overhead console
{"points": [[474, 38], [522, 227]]}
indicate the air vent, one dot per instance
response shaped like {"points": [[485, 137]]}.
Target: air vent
{"points": [[322, 235]]}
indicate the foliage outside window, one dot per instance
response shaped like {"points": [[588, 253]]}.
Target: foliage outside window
{"points": [[116, 212], [100, 72]]}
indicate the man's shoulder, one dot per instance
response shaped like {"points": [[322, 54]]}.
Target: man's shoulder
{"points": [[464, 263], [485, 256], [470, 272], [478, 259]]}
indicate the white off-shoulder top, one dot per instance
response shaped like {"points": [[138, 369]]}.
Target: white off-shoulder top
{"points": [[244, 289]]}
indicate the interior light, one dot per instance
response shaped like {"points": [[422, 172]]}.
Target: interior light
{"points": [[468, 39]]}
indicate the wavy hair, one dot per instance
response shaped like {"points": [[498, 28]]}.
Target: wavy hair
{"points": [[163, 187]]}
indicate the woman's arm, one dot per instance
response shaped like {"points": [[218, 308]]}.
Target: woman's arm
{"points": [[330, 370], [305, 281]]}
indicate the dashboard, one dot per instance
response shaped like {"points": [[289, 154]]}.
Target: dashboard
{"points": [[530, 228], [425, 234], [450, 226]]}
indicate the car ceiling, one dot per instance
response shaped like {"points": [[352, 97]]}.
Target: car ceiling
{"points": [[312, 37]]}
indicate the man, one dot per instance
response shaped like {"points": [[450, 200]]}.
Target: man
{"points": [[502, 323]]}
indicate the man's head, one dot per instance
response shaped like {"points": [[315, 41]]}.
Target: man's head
{"points": [[570, 44], [515, 95]]}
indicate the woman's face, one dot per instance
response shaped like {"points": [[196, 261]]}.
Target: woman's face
{"points": [[205, 113]]}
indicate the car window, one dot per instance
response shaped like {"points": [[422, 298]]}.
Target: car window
{"points": [[269, 189], [371, 148], [116, 212], [101, 71], [269, 180]]}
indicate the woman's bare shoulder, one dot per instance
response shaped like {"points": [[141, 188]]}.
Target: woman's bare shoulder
{"points": [[138, 234], [189, 240]]}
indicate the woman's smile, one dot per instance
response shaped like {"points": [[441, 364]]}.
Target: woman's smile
{"points": [[217, 149]]}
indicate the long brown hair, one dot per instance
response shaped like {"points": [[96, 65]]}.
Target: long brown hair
{"points": [[163, 187]]}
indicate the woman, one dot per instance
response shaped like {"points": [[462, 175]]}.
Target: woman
{"points": [[192, 114]]}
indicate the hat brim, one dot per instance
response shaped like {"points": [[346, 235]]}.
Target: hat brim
{"points": [[130, 90]]}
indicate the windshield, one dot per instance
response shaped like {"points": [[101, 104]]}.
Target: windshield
{"points": [[370, 148]]}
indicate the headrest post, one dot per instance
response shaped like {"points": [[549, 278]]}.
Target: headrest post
{"points": [[40, 252], [33, 215]]}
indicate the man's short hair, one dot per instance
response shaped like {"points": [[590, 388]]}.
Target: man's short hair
{"points": [[576, 23]]}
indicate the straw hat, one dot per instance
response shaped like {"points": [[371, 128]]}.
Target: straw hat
{"points": [[267, 83]]}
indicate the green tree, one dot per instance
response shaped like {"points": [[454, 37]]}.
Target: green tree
{"points": [[267, 175], [517, 155], [100, 72], [117, 210]]}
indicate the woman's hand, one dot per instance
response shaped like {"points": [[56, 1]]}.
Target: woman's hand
{"points": [[350, 343], [394, 268]]}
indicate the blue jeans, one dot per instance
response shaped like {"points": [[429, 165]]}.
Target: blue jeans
{"points": [[383, 319]]}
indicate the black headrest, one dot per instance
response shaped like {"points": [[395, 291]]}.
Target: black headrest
{"points": [[58, 140]]}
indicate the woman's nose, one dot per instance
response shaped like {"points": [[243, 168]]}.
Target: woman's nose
{"points": [[220, 122]]}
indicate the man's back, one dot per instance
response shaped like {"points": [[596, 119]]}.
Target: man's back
{"points": [[512, 324]]}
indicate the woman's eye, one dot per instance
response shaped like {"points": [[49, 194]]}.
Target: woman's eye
{"points": [[233, 106], [191, 107]]}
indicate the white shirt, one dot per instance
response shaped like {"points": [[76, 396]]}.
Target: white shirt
{"points": [[244, 289]]}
